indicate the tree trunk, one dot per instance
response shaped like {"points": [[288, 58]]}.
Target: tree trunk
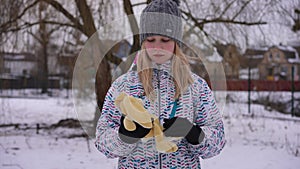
{"points": [[135, 30], [44, 69], [44, 39]]}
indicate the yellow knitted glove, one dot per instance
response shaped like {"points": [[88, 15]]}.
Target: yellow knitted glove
{"points": [[134, 110]]}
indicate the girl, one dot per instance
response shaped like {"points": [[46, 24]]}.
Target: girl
{"points": [[182, 100]]}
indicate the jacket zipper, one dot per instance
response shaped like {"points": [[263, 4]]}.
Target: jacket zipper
{"points": [[159, 107]]}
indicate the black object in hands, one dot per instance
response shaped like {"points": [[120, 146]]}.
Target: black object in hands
{"points": [[134, 136], [182, 127]]}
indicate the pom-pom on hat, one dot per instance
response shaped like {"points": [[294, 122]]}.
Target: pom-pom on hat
{"points": [[161, 17]]}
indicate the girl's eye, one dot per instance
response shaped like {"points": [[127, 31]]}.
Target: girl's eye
{"points": [[165, 40], [150, 40]]}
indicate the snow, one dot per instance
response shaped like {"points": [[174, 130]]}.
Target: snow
{"points": [[290, 49], [260, 140], [295, 61], [35, 152], [249, 157]]}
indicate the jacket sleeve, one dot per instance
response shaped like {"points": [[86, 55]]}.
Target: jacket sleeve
{"points": [[208, 117], [107, 139]]}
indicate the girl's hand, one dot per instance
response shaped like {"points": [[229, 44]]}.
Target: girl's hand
{"points": [[182, 127], [132, 136]]}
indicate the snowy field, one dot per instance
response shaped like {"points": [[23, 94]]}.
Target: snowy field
{"points": [[266, 140]]}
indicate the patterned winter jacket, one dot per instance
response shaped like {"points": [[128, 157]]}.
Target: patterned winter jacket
{"points": [[197, 104]]}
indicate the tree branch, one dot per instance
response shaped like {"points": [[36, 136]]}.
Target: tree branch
{"points": [[7, 24], [87, 18], [35, 37], [135, 30], [138, 4], [231, 21], [202, 22], [226, 9], [30, 24], [87, 29], [187, 6], [60, 8], [242, 8], [133, 22]]}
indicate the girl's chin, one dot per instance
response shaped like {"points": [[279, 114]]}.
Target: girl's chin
{"points": [[159, 62]]}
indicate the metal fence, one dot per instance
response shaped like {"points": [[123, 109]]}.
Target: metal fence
{"points": [[271, 81]]}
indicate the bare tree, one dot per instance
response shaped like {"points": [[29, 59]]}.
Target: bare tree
{"points": [[84, 22], [291, 11], [218, 20], [296, 26], [43, 37]]}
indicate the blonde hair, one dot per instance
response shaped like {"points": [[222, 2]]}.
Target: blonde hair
{"points": [[181, 73]]}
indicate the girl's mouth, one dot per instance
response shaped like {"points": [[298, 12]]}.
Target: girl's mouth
{"points": [[158, 55]]}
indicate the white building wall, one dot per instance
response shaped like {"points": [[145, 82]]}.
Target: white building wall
{"points": [[17, 67]]}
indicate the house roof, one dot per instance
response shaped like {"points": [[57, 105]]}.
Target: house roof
{"points": [[290, 53], [290, 49], [253, 57], [256, 53], [221, 48], [294, 43]]}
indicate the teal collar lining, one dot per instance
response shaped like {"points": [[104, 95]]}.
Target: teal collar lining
{"points": [[173, 112]]}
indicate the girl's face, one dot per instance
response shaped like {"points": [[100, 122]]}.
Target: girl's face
{"points": [[159, 48]]}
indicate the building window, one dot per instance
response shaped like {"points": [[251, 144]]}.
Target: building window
{"points": [[277, 56], [270, 56], [284, 69], [6, 70], [270, 71], [276, 70], [24, 72]]}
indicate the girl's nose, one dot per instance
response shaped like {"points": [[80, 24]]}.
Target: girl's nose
{"points": [[158, 45]]}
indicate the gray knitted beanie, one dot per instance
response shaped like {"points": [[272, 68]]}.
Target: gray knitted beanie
{"points": [[161, 17]]}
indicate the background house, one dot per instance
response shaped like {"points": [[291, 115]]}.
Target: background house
{"points": [[251, 58], [18, 64], [61, 66], [274, 63], [231, 59], [17, 70], [196, 59], [277, 63], [65, 67], [213, 64], [296, 45]]}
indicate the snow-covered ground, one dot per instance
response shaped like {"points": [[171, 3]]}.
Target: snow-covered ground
{"points": [[267, 140]]}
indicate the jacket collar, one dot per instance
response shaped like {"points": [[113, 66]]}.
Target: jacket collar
{"points": [[167, 66]]}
